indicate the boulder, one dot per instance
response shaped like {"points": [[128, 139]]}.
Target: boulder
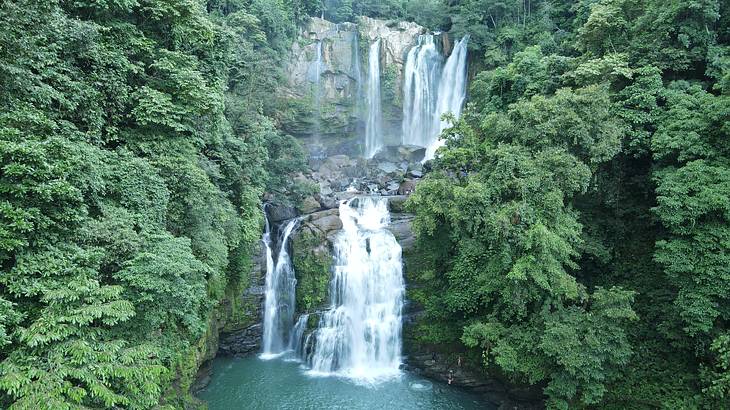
{"points": [[397, 203], [412, 153], [326, 221], [328, 202], [407, 187], [387, 167], [415, 174], [279, 212], [309, 205]]}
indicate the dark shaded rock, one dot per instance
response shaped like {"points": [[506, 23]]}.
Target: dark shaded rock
{"points": [[328, 202], [415, 173], [202, 378], [279, 212], [401, 227], [396, 204], [241, 342], [406, 187]]}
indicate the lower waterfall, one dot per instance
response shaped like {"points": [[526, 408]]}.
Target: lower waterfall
{"points": [[280, 296], [359, 336]]}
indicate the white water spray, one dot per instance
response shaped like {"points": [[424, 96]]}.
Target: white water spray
{"points": [[359, 336], [452, 92], [280, 294], [374, 125], [431, 89]]}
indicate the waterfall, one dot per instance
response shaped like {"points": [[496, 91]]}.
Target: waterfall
{"points": [[359, 336], [452, 91], [296, 340], [421, 77], [280, 297], [374, 126], [431, 89]]}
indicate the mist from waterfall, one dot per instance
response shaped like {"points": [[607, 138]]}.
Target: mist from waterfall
{"points": [[359, 336], [280, 293], [420, 88], [432, 88], [374, 125]]}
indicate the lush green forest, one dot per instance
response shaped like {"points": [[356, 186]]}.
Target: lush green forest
{"points": [[134, 151], [574, 232], [585, 202]]}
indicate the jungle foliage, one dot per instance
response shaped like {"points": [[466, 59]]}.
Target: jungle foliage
{"points": [[134, 152], [577, 224]]}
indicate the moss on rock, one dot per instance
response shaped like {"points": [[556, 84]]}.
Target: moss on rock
{"points": [[313, 266]]}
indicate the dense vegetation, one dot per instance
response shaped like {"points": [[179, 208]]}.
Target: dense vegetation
{"points": [[577, 227], [575, 231], [134, 153]]}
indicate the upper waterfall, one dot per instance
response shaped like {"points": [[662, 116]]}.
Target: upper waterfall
{"points": [[452, 91], [359, 336], [431, 89], [420, 88], [374, 126], [280, 296]]}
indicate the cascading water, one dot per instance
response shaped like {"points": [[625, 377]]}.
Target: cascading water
{"points": [[420, 88], [280, 297], [452, 91], [431, 89], [297, 335], [359, 336], [374, 126]]}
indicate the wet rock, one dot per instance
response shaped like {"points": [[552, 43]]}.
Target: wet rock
{"points": [[401, 227], [241, 342], [342, 184], [279, 212], [392, 188], [338, 161]]}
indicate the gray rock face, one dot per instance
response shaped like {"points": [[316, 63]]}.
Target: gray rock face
{"points": [[278, 212], [242, 342], [397, 38], [309, 205], [326, 88]]}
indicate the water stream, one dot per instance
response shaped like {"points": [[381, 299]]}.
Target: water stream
{"points": [[432, 88], [374, 125], [279, 296], [359, 336]]}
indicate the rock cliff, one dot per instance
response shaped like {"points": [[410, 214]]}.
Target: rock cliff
{"points": [[326, 75]]}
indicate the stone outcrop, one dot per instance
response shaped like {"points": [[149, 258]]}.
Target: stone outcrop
{"points": [[397, 37], [324, 90]]}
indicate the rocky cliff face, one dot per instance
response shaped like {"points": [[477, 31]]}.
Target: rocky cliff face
{"points": [[326, 75]]}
